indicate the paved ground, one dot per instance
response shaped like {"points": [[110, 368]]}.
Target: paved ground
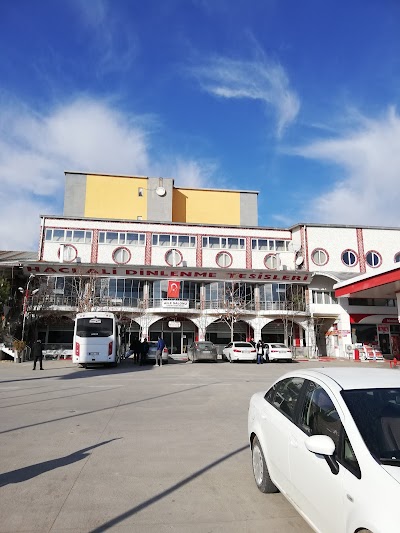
{"points": [[138, 449]]}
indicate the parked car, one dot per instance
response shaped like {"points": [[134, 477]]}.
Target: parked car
{"points": [[151, 355], [276, 351], [329, 440], [202, 351], [239, 351]]}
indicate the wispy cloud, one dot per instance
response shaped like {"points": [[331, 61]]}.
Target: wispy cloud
{"points": [[368, 155], [260, 79], [85, 135], [110, 36]]}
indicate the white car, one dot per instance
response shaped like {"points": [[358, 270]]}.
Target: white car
{"points": [[239, 351], [275, 351], [329, 440]]}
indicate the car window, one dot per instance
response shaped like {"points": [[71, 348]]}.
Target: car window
{"points": [[243, 345], [278, 346], [319, 416], [228, 345], [284, 395]]}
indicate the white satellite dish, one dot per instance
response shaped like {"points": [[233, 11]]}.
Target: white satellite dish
{"points": [[160, 191], [299, 260]]}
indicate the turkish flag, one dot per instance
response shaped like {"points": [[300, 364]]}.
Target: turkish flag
{"points": [[173, 289]]}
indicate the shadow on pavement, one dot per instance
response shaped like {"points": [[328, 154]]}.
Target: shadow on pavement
{"points": [[111, 523], [29, 472]]}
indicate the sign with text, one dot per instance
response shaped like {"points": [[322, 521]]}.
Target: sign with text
{"points": [[180, 304], [147, 272]]}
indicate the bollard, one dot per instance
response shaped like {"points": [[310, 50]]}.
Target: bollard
{"points": [[356, 354]]}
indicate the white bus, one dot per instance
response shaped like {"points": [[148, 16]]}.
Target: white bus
{"points": [[96, 339]]}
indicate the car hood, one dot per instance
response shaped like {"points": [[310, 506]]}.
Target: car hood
{"points": [[394, 471]]}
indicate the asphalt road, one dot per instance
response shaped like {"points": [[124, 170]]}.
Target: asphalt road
{"points": [[138, 449]]}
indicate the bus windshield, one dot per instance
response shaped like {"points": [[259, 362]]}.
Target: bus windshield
{"points": [[94, 327]]}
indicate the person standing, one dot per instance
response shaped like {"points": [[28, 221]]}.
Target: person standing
{"points": [[159, 351], [260, 352], [37, 354], [144, 351]]}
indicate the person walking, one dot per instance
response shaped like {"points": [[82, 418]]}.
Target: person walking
{"points": [[37, 354], [260, 352], [159, 351], [144, 351]]}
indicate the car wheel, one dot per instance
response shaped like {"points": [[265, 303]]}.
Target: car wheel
{"points": [[260, 470]]}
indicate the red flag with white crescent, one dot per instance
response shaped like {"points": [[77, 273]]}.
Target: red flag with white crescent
{"points": [[173, 289]]}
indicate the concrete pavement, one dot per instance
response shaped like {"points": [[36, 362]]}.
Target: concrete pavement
{"points": [[142, 449]]}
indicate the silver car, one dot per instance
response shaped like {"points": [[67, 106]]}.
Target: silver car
{"points": [[151, 354], [202, 351]]}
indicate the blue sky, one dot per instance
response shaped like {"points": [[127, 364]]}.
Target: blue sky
{"points": [[298, 100]]}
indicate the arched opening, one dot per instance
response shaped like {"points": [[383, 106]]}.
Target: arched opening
{"points": [[177, 332], [286, 331], [220, 331]]}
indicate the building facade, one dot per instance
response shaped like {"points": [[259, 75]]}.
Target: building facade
{"points": [[193, 264]]}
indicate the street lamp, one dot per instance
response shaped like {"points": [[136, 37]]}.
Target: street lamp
{"points": [[26, 294]]}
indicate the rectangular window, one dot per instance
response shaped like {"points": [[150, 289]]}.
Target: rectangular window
{"points": [[58, 235], [183, 240], [192, 242], [155, 240], [78, 236], [280, 246], [88, 236], [233, 244], [102, 237], [68, 236], [49, 233], [112, 237], [253, 244], [132, 238], [164, 240], [205, 242], [214, 242]]}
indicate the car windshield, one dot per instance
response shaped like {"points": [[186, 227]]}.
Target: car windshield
{"points": [[94, 327], [278, 346], [377, 415], [243, 345]]}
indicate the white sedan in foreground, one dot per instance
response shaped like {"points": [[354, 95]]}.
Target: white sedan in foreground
{"points": [[329, 440]]}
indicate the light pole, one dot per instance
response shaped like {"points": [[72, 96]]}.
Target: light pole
{"points": [[26, 294]]}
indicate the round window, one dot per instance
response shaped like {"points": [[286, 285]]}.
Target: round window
{"points": [[271, 261], [397, 258], [319, 257], [121, 255], [373, 259], [173, 258], [67, 253], [349, 258], [223, 259]]}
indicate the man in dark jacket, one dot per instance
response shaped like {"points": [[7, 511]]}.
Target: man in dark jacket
{"points": [[159, 351], [144, 352], [37, 354]]}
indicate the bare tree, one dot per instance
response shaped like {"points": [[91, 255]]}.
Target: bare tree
{"points": [[291, 305], [235, 305]]}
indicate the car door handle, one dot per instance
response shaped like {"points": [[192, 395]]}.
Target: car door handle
{"points": [[293, 442]]}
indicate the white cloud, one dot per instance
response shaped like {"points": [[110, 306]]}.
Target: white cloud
{"points": [[84, 135], [369, 156], [110, 35], [261, 79]]}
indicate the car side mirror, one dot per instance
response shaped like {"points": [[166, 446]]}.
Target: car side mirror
{"points": [[323, 445]]}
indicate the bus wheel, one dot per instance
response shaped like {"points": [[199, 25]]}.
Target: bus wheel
{"points": [[82, 365]]}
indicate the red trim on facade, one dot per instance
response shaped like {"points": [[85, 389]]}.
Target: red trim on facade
{"points": [[361, 254], [148, 248], [199, 250], [355, 318], [94, 253], [304, 242], [249, 263], [374, 281]]}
